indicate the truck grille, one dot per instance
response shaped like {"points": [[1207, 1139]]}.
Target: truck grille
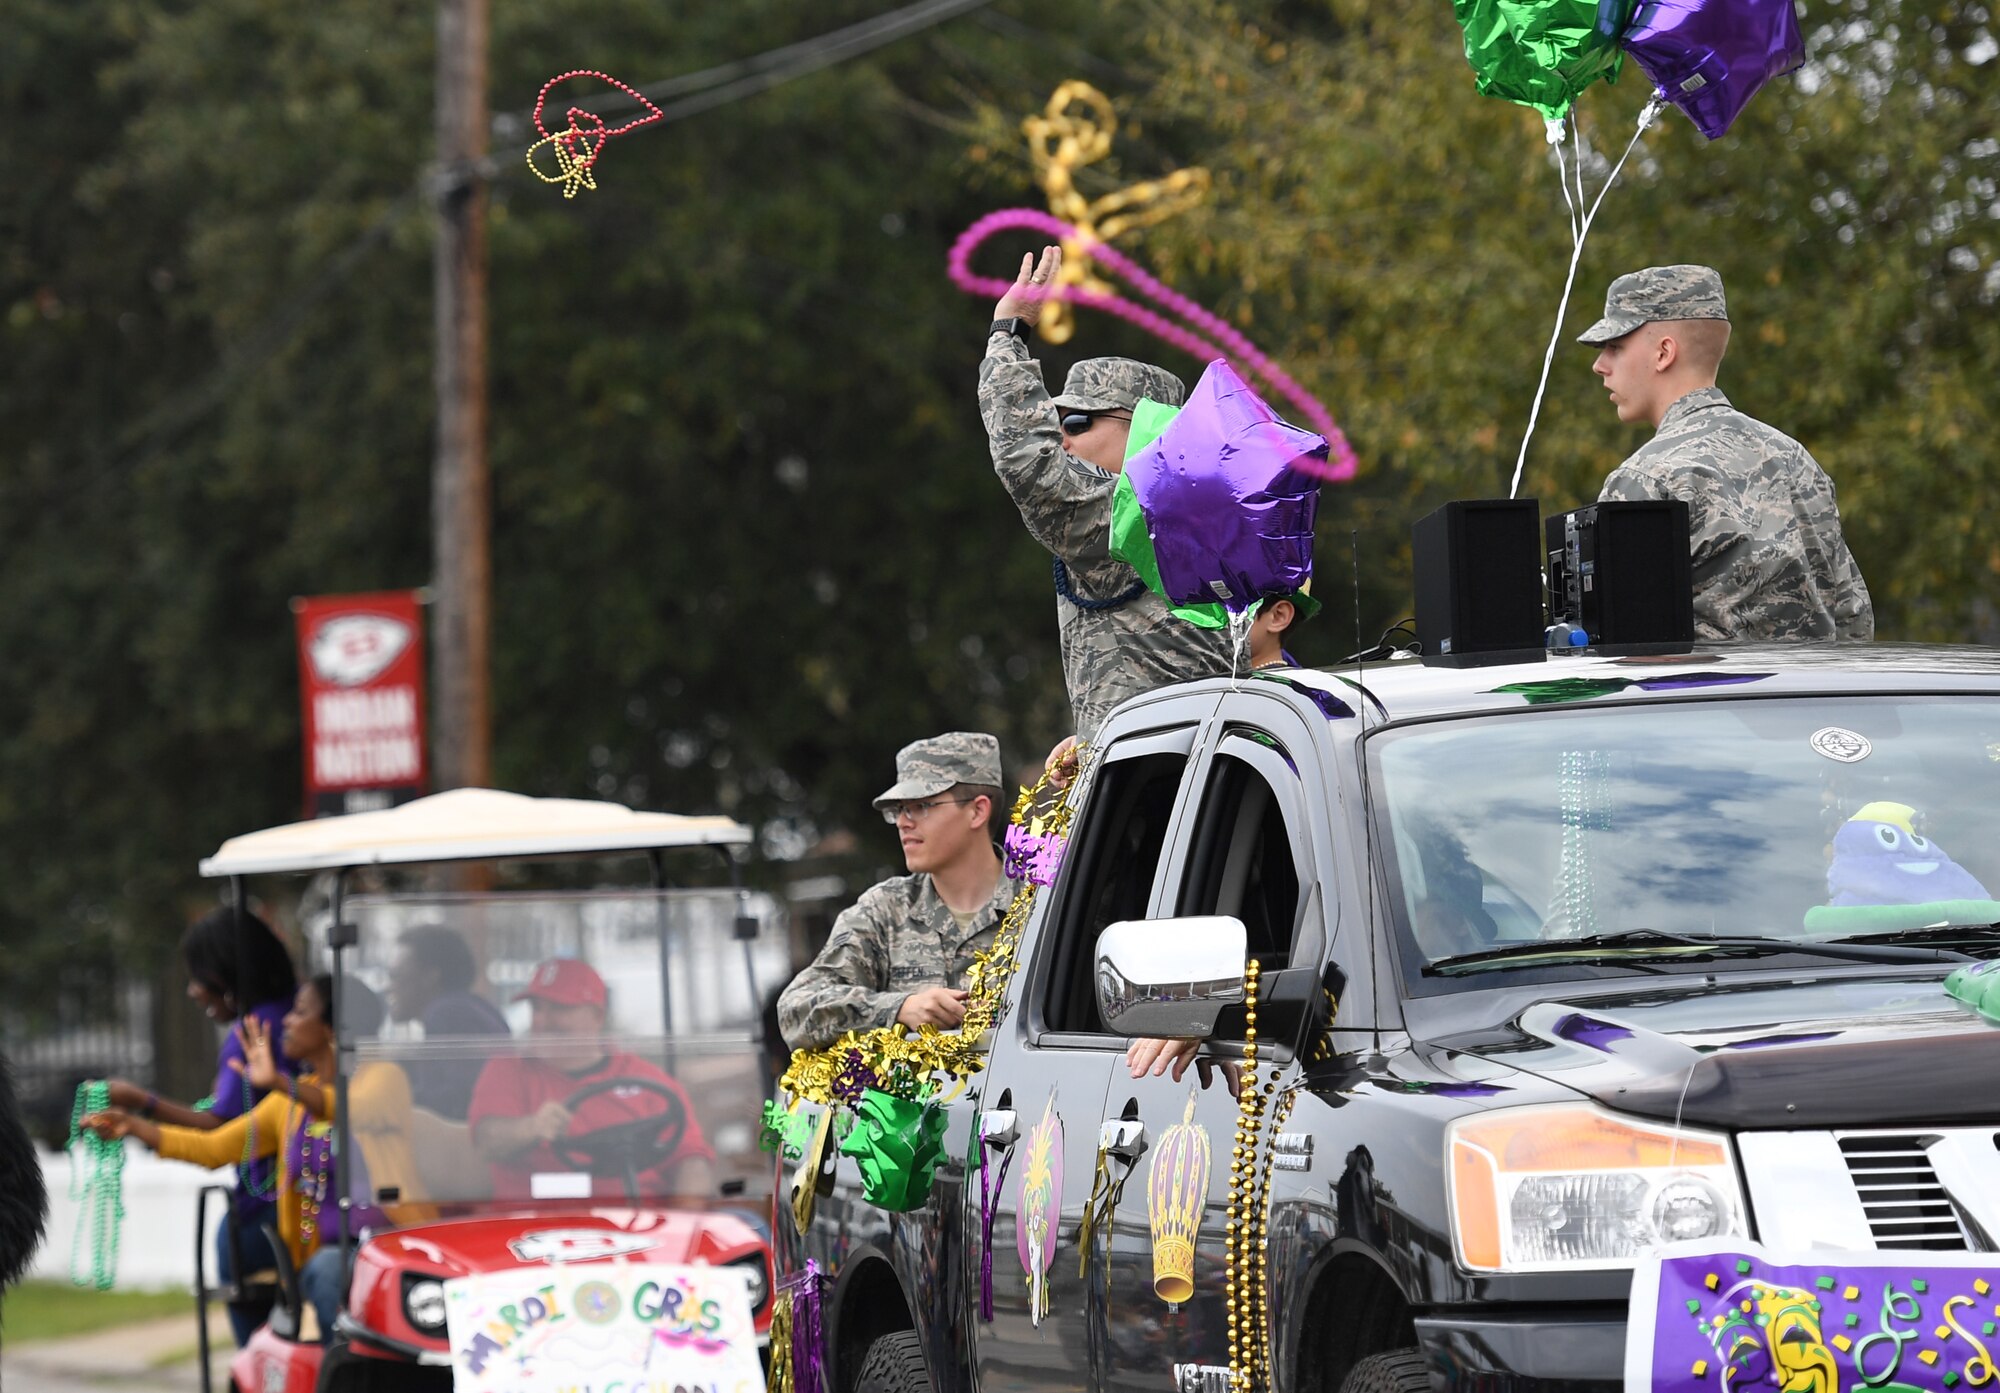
{"points": [[1906, 1204]]}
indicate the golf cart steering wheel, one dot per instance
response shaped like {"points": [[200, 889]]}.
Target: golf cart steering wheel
{"points": [[625, 1148]]}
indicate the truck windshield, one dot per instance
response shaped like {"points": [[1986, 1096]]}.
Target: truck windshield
{"points": [[1627, 831], [598, 1047]]}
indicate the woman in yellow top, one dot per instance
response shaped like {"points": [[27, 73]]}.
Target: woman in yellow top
{"points": [[279, 1125], [293, 1121]]}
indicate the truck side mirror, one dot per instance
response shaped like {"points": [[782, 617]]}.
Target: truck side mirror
{"points": [[1170, 978]]}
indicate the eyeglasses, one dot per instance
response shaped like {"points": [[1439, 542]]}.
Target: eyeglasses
{"points": [[1077, 422], [892, 813]]}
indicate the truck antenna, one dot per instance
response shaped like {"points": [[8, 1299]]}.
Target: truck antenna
{"points": [[1360, 753]]}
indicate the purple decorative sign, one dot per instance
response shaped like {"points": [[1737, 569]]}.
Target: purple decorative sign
{"points": [[1725, 1318]]}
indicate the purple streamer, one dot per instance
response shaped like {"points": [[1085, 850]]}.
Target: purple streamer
{"points": [[1035, 857], [808, 1339], [987, 1213]]}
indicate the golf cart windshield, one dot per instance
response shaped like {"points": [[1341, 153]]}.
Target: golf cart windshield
{"points": [[599, 1046]]}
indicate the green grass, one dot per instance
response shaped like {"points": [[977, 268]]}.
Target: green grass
{"points": [[53, 1310]]}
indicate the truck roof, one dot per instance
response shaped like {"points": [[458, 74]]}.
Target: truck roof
{"points": [[1414, 689]]}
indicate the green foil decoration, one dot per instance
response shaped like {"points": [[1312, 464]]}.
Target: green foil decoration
{"points": [[1560, 689], [897, 1142], [1543, 53], [786, 1131], [1978, 986]]}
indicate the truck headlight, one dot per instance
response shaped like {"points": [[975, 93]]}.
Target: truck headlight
{"points": [[423, 1303], [1541, 1189]]}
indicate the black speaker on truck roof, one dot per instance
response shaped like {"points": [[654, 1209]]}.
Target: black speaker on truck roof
{"points": [[1479, 577], [1622, 572]]}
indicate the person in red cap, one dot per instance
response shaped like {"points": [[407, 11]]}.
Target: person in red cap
{"points": [[521, 1106]]}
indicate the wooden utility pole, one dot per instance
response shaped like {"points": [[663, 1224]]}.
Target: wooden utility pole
{"points": [[461, 480]]}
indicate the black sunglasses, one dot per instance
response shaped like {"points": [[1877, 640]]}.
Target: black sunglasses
{"points": [[1077, 422]]}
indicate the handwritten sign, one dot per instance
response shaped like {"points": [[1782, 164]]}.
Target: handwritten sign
{"points": [[603, 1328], [1730, 1318]]}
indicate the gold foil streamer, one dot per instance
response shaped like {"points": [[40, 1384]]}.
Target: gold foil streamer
{"points": [[947, 1058], [805, 1180], [781, 1377]]}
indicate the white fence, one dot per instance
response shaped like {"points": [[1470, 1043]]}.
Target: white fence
{"points": [[156, 1244]]}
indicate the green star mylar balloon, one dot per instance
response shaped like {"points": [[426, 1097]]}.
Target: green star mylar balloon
{"points": [[1542, 53]]}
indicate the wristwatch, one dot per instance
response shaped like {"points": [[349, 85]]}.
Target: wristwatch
{"points": [[1017, 327]]}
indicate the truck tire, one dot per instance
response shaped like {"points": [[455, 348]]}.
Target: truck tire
{"points": [[1395, 1371], [895, 1364]]}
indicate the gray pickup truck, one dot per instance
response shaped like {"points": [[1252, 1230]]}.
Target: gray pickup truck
{"points": [[1556, 960]]}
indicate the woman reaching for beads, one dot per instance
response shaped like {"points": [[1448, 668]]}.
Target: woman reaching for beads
{"points": [[291, 1123], [238, 973]]}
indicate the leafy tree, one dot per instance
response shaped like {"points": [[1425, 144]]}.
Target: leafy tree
{"points": [[747, 542], [1400, 242]]}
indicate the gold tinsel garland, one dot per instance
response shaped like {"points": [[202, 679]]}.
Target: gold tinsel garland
{"points": [[947, 1057]]}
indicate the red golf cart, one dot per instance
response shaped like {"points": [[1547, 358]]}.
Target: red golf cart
{"points": [[446, 1040]]}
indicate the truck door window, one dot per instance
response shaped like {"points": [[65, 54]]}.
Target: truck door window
{"points": [[1241, 861], [1114, 857]]}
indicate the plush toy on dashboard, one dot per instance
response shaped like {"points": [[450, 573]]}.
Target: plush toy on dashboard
{"points": [[1885, 876], [1878, 858]]}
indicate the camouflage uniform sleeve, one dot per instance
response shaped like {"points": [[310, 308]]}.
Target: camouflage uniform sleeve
{"points": [[1066, 504], [846, 987], [1854, 610], [1628, 485]]}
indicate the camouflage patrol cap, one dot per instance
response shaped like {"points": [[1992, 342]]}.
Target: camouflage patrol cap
{"points": [[1116, 384], [1656, 293], [926, 768]]}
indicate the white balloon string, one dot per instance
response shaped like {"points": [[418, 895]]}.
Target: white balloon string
{"points": [[1582, 233], [1558, 136]]}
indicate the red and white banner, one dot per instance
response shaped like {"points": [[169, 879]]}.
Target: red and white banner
{"points": [[361, 676]]}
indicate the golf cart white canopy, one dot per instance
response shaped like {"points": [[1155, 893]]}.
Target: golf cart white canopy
{"points": [[466, 824]]}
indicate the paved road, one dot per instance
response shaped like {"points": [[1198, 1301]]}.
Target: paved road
{"points": [[129, 1358]]}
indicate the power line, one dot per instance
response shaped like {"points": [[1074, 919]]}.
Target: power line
{"points": [[706, 90], [781, 64]]}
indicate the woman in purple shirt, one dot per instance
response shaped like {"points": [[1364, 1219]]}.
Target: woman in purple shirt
{"points": [[237, 966]]}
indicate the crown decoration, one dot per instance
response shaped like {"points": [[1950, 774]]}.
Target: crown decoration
{"points": [[1176, 1194]]}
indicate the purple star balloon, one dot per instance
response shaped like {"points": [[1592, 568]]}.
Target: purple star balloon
{"points": [[1229, 510], [1709, 57]]}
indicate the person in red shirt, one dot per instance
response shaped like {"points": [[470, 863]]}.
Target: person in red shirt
{"points": [[525, 1106]]}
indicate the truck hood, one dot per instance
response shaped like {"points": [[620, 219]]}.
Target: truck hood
{"points": [[496, 1243], [1798, 1052]]}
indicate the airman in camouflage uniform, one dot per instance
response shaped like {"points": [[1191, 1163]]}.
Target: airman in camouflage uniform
{"points": [[1769, 558], [902, 952], [1118, 638]]}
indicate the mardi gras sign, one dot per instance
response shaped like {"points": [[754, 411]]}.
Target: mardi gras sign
{"points": [[574, 149], [1722, 1318], [1059, 143], [654, 1325]]}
